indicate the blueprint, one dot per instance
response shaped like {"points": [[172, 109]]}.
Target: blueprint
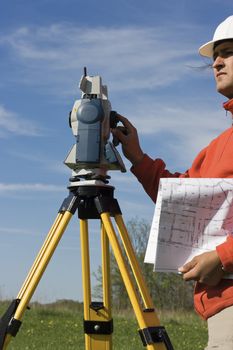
{"points": [[191, 216]]}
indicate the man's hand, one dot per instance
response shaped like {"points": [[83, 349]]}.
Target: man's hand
{"points": [[128, 137], [204, 268]]}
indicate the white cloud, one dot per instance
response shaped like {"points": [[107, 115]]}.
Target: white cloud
{"points": [[129, 57], [177, 119], [17, 231], [37, 187], [12, 123], [52, 165], [187, 128]]}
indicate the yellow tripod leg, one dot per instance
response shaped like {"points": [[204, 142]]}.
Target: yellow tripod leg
{"points": [[134, 263], [106, 283], [145, 320], [39, 267], [96, 316], [86, 281], [39, 256]]}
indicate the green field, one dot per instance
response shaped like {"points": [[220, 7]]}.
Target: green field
{"points": [[60, 326]]}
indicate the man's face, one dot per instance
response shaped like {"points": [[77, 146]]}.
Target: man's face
{"points": [[223, 68]]}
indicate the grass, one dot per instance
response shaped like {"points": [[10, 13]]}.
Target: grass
{"points": [[59, 326]]}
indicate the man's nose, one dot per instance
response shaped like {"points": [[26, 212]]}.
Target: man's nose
{"points": [[218, 62]]}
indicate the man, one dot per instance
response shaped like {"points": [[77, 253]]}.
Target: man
{"points": [[213, 297]]}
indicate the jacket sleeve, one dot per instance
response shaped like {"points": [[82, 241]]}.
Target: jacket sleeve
{"points": [[225, 253], [149, 172]]}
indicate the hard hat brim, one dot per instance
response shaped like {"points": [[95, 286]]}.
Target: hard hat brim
{"points": [[207, 49]]}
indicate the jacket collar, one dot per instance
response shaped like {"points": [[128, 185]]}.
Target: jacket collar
{"points": [[229, 106]]}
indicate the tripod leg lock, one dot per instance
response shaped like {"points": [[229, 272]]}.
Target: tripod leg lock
{"points": [[8, 324], [153, 335], [13, 327], [98, 327], [103, 205], [70, 204]]}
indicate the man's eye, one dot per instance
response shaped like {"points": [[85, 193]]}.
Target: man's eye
{"points": [[223, 54], [228, 53]]}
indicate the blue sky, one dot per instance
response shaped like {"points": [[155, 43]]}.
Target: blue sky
{"points": [[146, 52]]}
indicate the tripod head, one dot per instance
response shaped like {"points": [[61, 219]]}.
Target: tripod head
{"points": [[91, 119]]}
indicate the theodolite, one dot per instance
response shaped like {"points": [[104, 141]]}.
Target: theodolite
{"points": [[91, 119]]}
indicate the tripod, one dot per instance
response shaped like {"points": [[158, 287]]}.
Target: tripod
{"points": [[93, 202]]}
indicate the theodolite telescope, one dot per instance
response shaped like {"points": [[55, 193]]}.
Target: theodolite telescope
{"points": [[91, 120]]}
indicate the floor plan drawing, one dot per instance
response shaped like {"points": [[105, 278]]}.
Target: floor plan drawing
{"points": [[191, 216]]}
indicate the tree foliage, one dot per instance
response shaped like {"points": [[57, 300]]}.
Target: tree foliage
{"points": [[168, 290]]}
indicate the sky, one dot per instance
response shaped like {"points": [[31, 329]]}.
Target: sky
{"points": [[147, 54]]}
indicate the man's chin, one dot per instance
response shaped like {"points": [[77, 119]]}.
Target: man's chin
{"points": [[228, 93]]}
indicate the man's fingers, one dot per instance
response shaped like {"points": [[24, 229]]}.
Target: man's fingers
{"points": [[191, 275], [189, 270], [125, 121], [123, 129], [187, 267], [119, 134], [204, 268]]}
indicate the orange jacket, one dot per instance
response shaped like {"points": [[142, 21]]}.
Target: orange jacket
{"points": [[216, 161]]}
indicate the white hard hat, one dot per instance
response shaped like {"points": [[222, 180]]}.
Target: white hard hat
{"points": [[223, 32]]}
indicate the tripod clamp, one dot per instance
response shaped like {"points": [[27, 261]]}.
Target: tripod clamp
{"points": [[91, 201], [98, 327], [152, 335], [8, 324]]}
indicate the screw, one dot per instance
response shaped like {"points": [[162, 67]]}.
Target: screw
{"points": [[97, 327]]}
